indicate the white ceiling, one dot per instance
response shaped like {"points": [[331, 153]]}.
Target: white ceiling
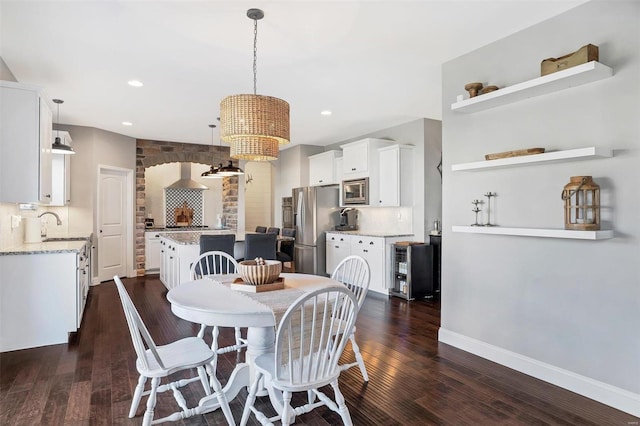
{"points": [[375, 64]]}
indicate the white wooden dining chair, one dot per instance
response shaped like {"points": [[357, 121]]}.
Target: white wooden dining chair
{"points": [[157, 362], [353, 272], [217, 263], [309, 342]]}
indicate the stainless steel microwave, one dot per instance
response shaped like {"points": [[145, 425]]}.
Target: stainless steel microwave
{"points": [[355, 191]]}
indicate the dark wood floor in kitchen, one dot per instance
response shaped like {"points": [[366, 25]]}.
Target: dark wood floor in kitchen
{"points": [[414, 380]]}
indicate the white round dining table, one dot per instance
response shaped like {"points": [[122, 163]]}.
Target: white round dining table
{"points": [[212, 301]]}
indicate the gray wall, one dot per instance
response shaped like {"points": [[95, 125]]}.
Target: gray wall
{"points": [[572, 305], [5, 72]]}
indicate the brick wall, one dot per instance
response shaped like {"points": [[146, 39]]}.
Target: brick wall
{"points": [[151, 153]]}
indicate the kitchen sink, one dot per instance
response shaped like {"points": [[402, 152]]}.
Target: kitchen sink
{"points": [[64, 239]]}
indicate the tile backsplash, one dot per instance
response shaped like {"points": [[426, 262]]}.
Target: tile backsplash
{"points": [[10, 237], [388, 220]]}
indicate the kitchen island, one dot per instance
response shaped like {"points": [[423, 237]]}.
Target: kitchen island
{"points": [[178, 250]]}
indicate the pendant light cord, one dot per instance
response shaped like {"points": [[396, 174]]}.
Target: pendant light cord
{"points": [[255, 56]]}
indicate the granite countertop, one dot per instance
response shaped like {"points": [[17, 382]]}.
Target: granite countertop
{"points": [[53, 244], [371, 234], [193, 237]]}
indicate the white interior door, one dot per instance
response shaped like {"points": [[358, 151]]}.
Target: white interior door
{"points": [[112, 233]]}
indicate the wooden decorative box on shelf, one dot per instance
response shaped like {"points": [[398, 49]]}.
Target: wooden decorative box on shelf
{"points": [[570, 77]]}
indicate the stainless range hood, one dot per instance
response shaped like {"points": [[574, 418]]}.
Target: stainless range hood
{"points": [[185, 181]]}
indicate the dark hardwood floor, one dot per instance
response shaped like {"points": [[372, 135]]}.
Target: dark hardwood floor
{"points": [[414, 380]]}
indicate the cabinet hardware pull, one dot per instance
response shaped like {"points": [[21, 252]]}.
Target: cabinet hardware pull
{"points": [[360, 242], [371, 243], [365, 250]]}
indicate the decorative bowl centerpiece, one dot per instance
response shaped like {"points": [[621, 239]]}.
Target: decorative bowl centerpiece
{"points": [[259, 271]]}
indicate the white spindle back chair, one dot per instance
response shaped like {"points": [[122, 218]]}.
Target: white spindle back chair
{"points": [[353, 272], [309, 342], [217, 263], [156, 362]]}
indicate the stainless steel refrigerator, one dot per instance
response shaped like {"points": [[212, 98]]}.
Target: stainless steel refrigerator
{"points": [[315, 211]]}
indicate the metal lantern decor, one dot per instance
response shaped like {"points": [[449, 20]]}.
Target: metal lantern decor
{"points": [[581, 198]]}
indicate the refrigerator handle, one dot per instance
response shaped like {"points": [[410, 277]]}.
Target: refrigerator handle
{"points": [[299, 213]]}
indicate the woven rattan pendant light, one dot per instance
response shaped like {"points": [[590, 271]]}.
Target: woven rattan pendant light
{"points": [[254, 125]]}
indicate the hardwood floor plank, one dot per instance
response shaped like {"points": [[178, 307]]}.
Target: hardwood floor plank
{"points": [[414, 379], [79, 400]]}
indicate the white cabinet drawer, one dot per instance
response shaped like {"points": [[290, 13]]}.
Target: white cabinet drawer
{"points": [[371, 243]]}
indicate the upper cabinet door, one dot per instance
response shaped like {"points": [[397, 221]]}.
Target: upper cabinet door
{"points": [[322, 168], [25, 144], [355, 161]]}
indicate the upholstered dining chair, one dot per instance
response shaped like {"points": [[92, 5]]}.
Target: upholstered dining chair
{"points": [[222, 242], [217, 263], [310, 339], [286, 249], [260, 245], [273, 230], [157, 362], [353, 272], [261, 229]]}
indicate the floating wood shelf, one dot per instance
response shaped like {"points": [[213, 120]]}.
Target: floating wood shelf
{"points": [[547, 157], [570, 77], [536, 232]]}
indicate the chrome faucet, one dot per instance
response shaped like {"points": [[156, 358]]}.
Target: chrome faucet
{"points": [[58, 221]]}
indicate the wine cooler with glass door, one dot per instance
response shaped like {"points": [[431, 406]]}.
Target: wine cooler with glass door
{"points": [[412, 271]]}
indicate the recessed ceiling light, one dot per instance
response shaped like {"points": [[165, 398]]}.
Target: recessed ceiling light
{"points": [[325, 112], [135, 83], [127, 123]]}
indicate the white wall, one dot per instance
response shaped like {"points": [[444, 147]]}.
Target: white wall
{"points": [[567, 311], [258, 194]]}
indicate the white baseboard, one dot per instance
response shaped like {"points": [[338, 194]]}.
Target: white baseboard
{"points": [[612, 396]]}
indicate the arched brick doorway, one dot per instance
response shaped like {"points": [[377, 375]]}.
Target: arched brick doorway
{"points": [[152, 153]]}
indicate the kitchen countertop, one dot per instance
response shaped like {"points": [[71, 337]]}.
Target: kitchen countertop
{"points": [[193, 237], [55, 244], [371, 234]]}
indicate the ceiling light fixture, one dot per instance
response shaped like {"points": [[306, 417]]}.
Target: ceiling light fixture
{"points": [[325, 112], [127, 123], [58, 147], [254, 125], [213, 172], [135, 83]]}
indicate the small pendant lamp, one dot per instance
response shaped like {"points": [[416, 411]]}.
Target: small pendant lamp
{"points": [[254, 125], [229, 170], [212, 173], [58, 147]]}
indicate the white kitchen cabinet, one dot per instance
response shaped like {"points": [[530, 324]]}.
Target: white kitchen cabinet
{"points": [[377, 251], [42, 297], [396, 180], [360, 160], [322, 168], [61, 174], [25, 144], [152, 252], [176, 260], [372, 250], [338, 247]]}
